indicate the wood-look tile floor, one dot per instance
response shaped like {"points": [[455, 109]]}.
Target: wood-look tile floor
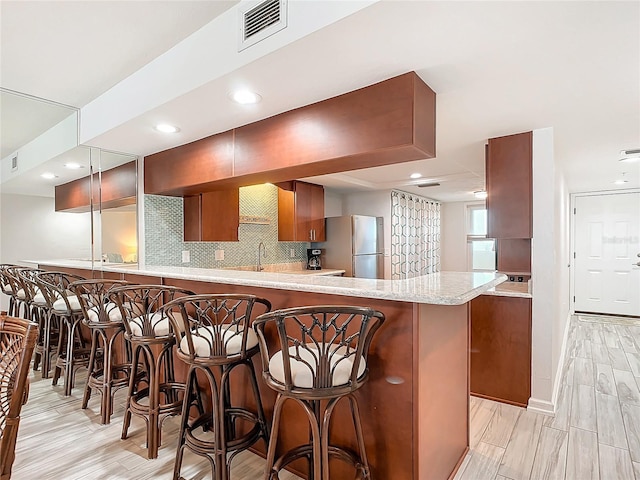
{"points": [[595, 433]]}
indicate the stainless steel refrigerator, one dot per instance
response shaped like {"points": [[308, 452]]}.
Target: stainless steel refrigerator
{"points": [[355, 244]]}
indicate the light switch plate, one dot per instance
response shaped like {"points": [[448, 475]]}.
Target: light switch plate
{"points": [[219, 255], [186, 256]]}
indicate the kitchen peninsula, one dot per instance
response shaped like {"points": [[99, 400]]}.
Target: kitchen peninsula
{"points": [[415, 407]]}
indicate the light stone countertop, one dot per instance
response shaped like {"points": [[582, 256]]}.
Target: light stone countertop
{"points": [[511, 289], [443, 288]]}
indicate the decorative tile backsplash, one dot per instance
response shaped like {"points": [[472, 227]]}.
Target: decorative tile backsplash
{"points": [[258, 207]]}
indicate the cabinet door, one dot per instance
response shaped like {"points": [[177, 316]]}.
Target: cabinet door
{"points": [[509, 186], [501, 348], [212, 216], [300, 212], [317, 213]]}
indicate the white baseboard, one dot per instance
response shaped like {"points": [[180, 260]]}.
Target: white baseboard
{"points": [[541, 406]]}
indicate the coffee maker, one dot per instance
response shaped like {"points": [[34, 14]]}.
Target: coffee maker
{"points": [[313, 258]]}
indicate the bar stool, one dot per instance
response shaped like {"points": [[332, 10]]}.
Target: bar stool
{"points": [[36, 309], [12, 287], [317, 356], [152, 340], [5, 285], [63, 306], [216, 337], [104, 320]]}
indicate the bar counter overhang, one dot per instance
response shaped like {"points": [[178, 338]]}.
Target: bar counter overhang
{"points": [[415, 406]]}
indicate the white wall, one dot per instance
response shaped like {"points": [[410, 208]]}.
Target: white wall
{"points": [[30, 229], [332, 203], [550, 275], [119, 233]]}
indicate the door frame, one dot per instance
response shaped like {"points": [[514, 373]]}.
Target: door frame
{"points": [[572, 270]]}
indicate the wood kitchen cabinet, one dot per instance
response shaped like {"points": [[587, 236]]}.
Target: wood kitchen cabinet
{"points": [[212, 216], [117, 188], [501, 348], [510, 186], [300, 212]]}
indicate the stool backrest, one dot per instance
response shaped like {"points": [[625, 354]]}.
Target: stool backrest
{"points": [[215, 328], [9, 280], [97, 308], [140, 307], [327, 345], [17, 342], [55, 286], [26, 279]]}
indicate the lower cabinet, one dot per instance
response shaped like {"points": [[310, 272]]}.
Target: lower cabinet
{"points": [[501, 348]]}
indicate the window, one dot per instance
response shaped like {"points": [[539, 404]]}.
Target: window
{"points": [[481, 250]]}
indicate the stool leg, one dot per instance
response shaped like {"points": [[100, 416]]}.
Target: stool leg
{"points": [[184, 421], [64, 333], [70, 361], [91, 367], [355, 412], [153, 429], [269, 474], [264, 426], [132, 386], [108, 339]]}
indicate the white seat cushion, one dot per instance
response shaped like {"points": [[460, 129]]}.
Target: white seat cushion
{"points": [[61, 306], [303, 371], [112, 310], [38, 298], [204, 338], [21, 294], [160, 324], [6, 288]]}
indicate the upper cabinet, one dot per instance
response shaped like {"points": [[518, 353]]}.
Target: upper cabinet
{"points": [[212, 216], [300, 212], [389, 122], [117, 188], [177, 170], [510, 186]]}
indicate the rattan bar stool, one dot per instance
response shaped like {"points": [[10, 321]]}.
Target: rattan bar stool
{"points": [[36, 312], [5, 285], [110, 372], [17, 340], [11, 285], [317, 356], [152, 341], [63, 306], [216, 337]]}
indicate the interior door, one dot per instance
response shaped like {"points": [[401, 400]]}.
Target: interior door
{"points": [[607, 254]]}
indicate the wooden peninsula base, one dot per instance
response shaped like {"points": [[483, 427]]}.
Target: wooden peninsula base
{"points": [[415, 406]]}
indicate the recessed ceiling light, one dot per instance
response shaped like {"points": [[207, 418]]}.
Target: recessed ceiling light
{"points": [[48, 175], [73, 165], [166, 128], [632, 155], [415, 175], [620, 181], [480, 194], [245, 97]]}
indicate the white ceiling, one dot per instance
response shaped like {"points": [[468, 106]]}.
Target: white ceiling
{"points": [[497, 67]]}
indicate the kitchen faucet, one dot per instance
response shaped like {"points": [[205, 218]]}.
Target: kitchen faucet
{"points": [[262, 247]]}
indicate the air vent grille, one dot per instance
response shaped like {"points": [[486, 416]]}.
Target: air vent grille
{"points": [[14, 163], [261, 17], [261, 21], [432, 184]]}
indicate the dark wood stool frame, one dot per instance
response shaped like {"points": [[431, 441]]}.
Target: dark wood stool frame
{"points": [[105, 376], [215, 331], [72, 352], [318, 339], [17, 341], [152, 340]]}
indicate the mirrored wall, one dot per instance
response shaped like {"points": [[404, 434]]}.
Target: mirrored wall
{"points": [[59, 199]]}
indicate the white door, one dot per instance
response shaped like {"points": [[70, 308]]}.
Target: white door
{"points": [[607, 254]]}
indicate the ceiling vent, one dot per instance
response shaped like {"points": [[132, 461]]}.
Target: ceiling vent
{"points": [[257, 22], [14, 163], [432, 184]]}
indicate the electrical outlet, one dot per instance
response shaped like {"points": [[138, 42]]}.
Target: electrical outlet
{"points": [[219, 255], [186, 256], [292, 253]]}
